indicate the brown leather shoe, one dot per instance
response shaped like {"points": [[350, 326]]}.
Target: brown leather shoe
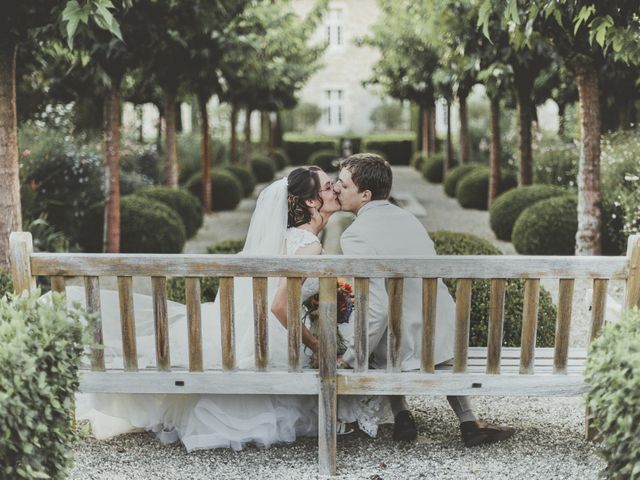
{"points": [[404, 427], [481, 432]]}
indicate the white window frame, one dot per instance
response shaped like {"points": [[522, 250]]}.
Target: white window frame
{"points": [[334, 25], [334, 108]]}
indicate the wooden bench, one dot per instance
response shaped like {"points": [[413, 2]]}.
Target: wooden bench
{"points": [[492, 370]]}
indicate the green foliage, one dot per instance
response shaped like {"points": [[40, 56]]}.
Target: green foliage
{"points": [[143, 161], [472, 190], [506, 209], [325, 159], [279, 158], [387, 116], [188, 207], [263, 169], [417, 160], [432, 168], [208, 285], [556, 165], [614, 236], [131, 182], [42, 346], [226, 189], [146, 226], [396, 148], [189, 155], [6, 284], [454, 243], [613, 376], [548, 227], [300, 148], [245, 177], [306, 116], [456, 174], [45, 237]]}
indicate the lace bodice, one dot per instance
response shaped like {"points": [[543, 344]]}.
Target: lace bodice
{"points": [[296, 238]]}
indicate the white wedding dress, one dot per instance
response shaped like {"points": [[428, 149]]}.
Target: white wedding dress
{"points": [[214, 420]]}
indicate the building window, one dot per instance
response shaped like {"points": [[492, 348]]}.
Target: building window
{"points": [[334, 108], [335, 27]]}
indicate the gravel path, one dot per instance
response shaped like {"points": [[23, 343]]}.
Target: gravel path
{"points": [[549, 442]]}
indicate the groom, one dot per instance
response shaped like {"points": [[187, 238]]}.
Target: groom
{"points": [[381, 228]]}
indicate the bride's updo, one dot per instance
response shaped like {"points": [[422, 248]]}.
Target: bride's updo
{"points": [[303, 184]]}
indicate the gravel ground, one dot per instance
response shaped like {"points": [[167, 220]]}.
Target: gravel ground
{"points": [[549, 441]]}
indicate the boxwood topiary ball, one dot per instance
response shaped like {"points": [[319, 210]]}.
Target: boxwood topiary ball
{"points": [[417, 160], [245, 177], [280, 158], [455, 243], [226, 190], [506, 209], [432, 168], [455, 175], [325, 160], [146, 226], [188, 207], [547, 227], [263, 169], [473, 189]]}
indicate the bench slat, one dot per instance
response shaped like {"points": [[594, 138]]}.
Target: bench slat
{"points": [[563, 324], [395, 288], [227, 323], [496, 324], [598, 307], [361, 326], [463, 316], [194, 320], [633, 280], [529, 325], [429, 310], [127, 323], [92, 296], [294, 323], [260, 318], [159, 294]]}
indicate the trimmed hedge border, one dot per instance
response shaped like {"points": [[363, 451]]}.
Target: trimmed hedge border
{"points": [[397, 149]]}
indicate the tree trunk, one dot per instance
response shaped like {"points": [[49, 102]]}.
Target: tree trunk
{"points": [[247, 137], [588, 241], [465, 144], [523, 98], [561, 120], [111, 155], [273, 126], [264, 131], [178, 110], [433, 144], [495, 150], [426, 132], [234, 134], [205, 152], [11, 217], [449, 163], [159, 128], [170, 140], [140, 111]]}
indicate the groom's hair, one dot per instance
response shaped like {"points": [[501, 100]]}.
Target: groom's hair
{"points": [[370, 172]]}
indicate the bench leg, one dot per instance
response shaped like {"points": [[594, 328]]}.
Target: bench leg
{"points": [[328, 416]]}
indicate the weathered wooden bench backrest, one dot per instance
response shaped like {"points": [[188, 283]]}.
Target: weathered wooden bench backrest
{"points": [[328, 381]]}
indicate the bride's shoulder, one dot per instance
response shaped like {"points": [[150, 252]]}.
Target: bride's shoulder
{"points": [[300, 236]]}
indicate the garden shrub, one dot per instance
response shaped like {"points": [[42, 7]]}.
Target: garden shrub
{"points": [[507, 207], [263, 169], [189, 155], [614, 235], [226, 190], [146, 162], [548, 227], [417, 160], [6, 284], [42, 346], [245, 177], [208, 285], [397, 148], [356, 143], [146, 226], [556, 165], [432, 168], [455, 174], [326, 160], [280, 158], [188, 207], [131, 182], [454, 243], [473, 189], [299, 148], [613, 375]]}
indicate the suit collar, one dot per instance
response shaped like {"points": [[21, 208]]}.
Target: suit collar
{"points": [[372, 204]]}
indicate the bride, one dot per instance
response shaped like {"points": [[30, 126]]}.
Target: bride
{"points": [[290, 213]]}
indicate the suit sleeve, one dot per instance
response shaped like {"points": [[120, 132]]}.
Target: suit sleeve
{"points": [[353, 244]]}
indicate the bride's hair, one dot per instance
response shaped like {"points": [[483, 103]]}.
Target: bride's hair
{"points": [[303, 184]]}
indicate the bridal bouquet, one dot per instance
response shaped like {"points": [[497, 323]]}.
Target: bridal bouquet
{"points": [[344, 304]]}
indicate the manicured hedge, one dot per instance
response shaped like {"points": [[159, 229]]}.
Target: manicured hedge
{"points": [[325, 159], [42, 346], [455, 174], [263, 169], [432, 168], [454, 243], [397, 149], [417, 160], [146, 226], [506, 209], [473, 189], [244, 176], [280, 158], [226, 189], [188, 207], [299, 148]]}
